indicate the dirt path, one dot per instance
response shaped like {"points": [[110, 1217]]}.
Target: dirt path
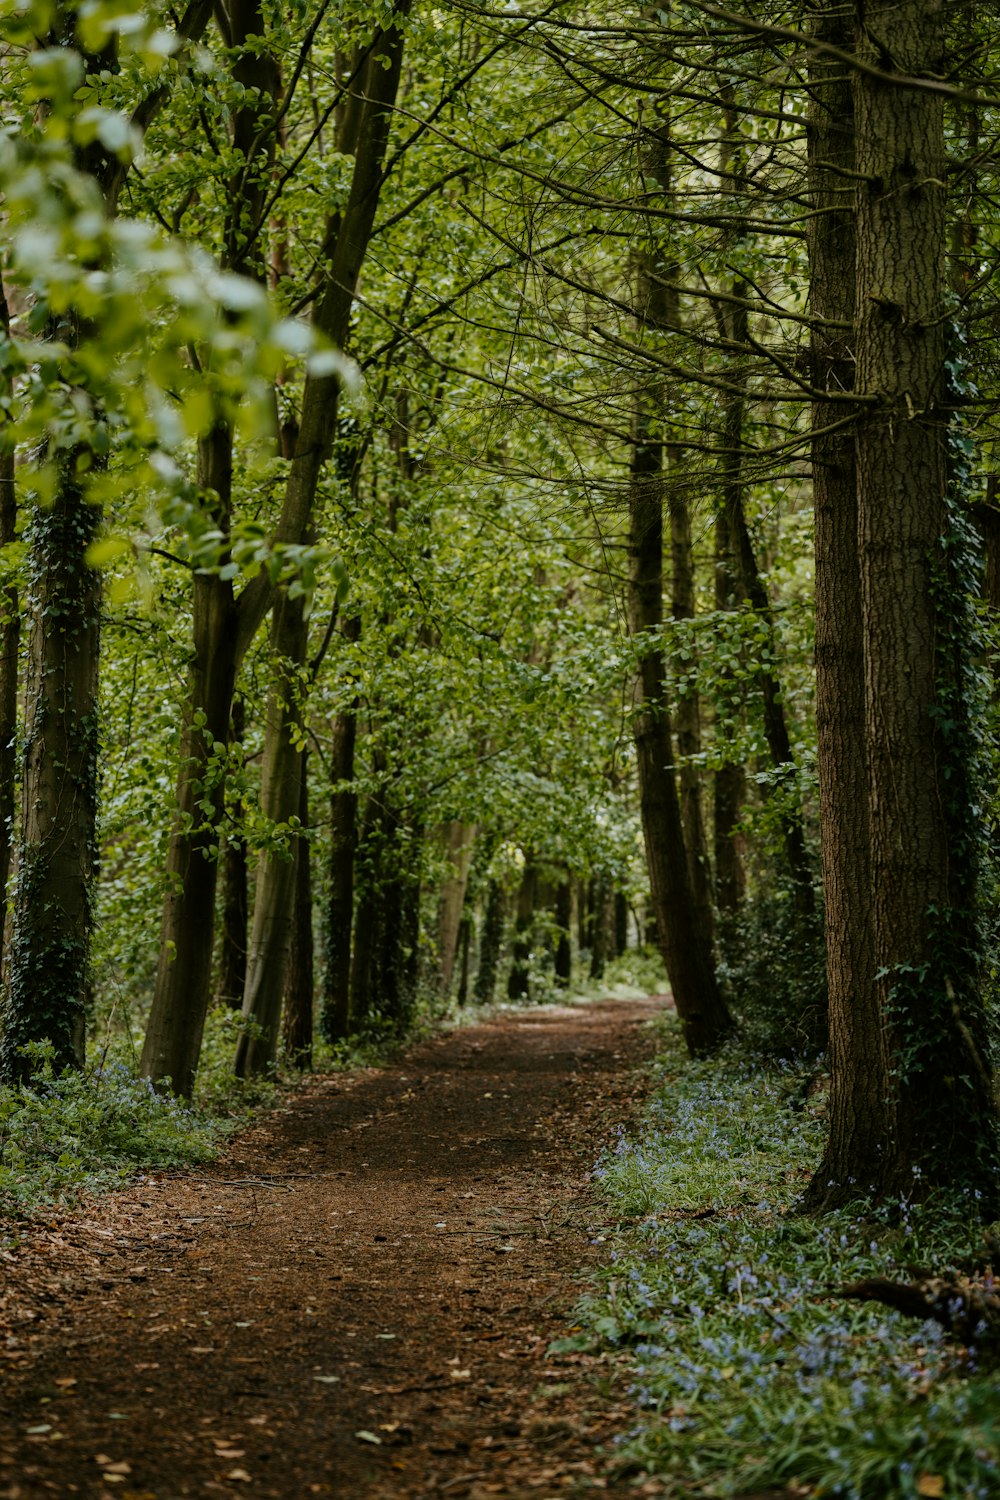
{"points": [[356, 1301]]}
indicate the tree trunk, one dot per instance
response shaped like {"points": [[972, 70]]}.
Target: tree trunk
{"points": [[859, 1126], [564, 942], [235, 894], [601, 920], [686, 947], [688, 728], [518, 980], [57, 859], [336, 1016], [297, 1029], [729, 782], [458, 840], [621, 924], [267, 954], [914, 597], [490, 944], [10, 640], [184, 970], [464, 945]]}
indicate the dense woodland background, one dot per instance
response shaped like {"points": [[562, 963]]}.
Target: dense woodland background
{"points": [[486, 488]]}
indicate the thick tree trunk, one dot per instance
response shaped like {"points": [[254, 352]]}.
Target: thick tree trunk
{"points": [[235, 894], [300, 986], [458, 840], [922, 872], [686, 947], [57, 859], [859, 1126]]}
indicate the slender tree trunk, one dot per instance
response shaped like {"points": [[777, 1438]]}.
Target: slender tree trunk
{"points": [[688, 725], [686, 947], [297, 1029], [336, 1017], [859, 1125], [365, 916], [490, 944], [464, 946], [922, 874], [564, 943], [518, 980], [184, 970], [235, 894], [621, 924], [775, 723], [10, 640], [267, 953], [729, 782]]}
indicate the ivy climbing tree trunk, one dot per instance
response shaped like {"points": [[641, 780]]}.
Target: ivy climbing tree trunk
{"points": [[920, 744], [57, 855]]}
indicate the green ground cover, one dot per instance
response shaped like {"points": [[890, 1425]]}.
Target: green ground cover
{"points": [[749, 1368]]}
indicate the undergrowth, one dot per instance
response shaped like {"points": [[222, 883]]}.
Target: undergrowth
{"points": [[750, 1369]]}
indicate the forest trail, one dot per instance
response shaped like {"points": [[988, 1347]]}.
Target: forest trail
{"points": [[356, 1300]]}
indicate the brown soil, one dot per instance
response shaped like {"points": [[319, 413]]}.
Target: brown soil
{"points": [[357, 1300]]}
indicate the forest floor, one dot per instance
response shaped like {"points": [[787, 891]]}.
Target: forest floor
{"points": [[357, 1299]]}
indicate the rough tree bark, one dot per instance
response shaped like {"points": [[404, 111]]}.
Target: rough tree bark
{"points": [[922, 873], [859, 1062]]}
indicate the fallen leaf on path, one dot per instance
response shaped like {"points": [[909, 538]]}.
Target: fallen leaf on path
{"points": [[239, 1474], [364, 1436], [122, 1467], [324, 1380]]}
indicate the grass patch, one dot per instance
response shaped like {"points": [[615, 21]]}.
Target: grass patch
{"points": [[749, 1369]]}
